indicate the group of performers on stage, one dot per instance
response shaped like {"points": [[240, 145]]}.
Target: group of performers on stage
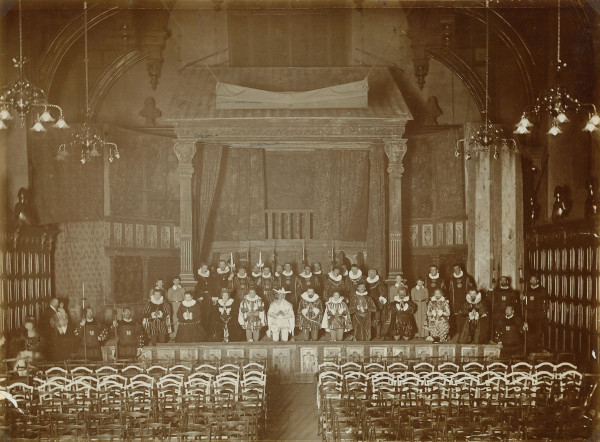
{"points": [[231, 304]]}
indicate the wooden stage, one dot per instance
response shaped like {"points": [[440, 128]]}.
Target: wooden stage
{"points": [[302, 357]]}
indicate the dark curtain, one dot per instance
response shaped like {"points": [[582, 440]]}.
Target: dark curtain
{"points": [[208, 168], [341, 194], [377, 221]]}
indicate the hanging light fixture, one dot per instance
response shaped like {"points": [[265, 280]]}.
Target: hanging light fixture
{"points": [[557, 101], [23, 97], [486, 138], [88, 139]]}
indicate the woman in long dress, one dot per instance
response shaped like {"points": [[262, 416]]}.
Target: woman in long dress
{"points": [[336, 318], [361, 307], [419, 295], [310, 314], [404, 325], [189, 316], [475, 325], [438, 317], [226, 328], [157, 318]]}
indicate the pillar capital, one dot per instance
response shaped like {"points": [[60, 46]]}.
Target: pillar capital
{"points": [[395, 148], [185, 149]]}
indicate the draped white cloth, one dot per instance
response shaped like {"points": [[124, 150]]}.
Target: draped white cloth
{"points": [[349, 95]]}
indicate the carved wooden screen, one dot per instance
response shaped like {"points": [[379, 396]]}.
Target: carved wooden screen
{"points": [[26, 274], [566, 256]]}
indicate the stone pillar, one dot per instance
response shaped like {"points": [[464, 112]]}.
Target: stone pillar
{"points": [[494, 203], [395, 149], [185, 150]]}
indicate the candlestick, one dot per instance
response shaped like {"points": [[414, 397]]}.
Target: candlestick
{"points": [[303, 252], [260, 263], [83, 295], [231, 260], [521, 272]]}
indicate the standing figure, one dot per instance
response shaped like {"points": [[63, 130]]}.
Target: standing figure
{"points": [[319, 279], [535, 310], [26, 346], [354, 278], [333, 283], [420, 296], [310, 314], [475, 319], [378, 293], [175, 296], [336, 318], [305, 280], [252, 315], [438, 317], [459, 286], [256, 280], [268, 286], [223, 276], [205, 291], [93, 334], [225, 327], [55, 350], [157, 318], [130, 337], [502, 297], [510, 333], [403, 320], [288, 283], [190, 321], [362, 308], [157, 286], [434, 281], [281, 317], [241, 284]]}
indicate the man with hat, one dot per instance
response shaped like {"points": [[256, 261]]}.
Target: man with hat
{"points": [[281, 318]]}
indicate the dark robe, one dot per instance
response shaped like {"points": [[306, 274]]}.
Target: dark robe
{"points": [[92, 335], [475, 324], [130, 337], [433, 284], [222, 280], [332, 286], [403, 320], [241, 287], [158, 317], [205, 289], [361, 308], [457, 291], [289, 283], [500, 299], [510, 334], [225, 326], [535, 307], [190, 327], [268, 285], [353, 281], [319, 283], [304, 283]]}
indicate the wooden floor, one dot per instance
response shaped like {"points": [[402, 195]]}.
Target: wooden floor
{"points": [[292, 411]]}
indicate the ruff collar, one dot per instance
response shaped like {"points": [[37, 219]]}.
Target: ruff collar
{"points": [[354, 277], [204, 274], [361, 294], [127, 320], [306, 276], [441, 298], [190, 303], [309, 299], [286, 273], [266, 276], [534, 287], [154, 301], [225, 304], [334, 301], [477, 299], [459, 275], [397, 298], [434, 277], [373, 280], [504, 287], [254, 298], [510, 317], [174, 287], [222, 272], [256, 275], [317, 272], [337, 278], [241, 277]]}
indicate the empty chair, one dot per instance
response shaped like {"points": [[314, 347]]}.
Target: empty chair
{"points": [[564, 366], [448, 367], [423, 367], [131, 370], [81, 371], [523, 367], [373, 367], [329, 366], [56, 371], [143, 377], [157, 370], [473, 367], [544, 366], [350, 367], [206, 368], [498, 367], [397, 367], [232, 368], [253, 366], [180, 369], [106, 370]]}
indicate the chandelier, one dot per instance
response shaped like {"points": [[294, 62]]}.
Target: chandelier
{"points": [[87, 139], [22, 97], [487, 137], [557, 101]]}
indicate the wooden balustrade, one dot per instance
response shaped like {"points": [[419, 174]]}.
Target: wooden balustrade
{"points": [[567, 258], [289, 224], [26, 273], [141, 233]]}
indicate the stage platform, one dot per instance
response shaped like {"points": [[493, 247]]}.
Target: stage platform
{"points": [[302, 357]]}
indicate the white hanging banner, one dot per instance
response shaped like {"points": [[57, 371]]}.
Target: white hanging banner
{"points": [[349, 95]]}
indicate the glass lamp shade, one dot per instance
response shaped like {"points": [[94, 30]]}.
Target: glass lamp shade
{"points": [[562, 118], [62, 155], [5, 114], [595, 119], [589, 127], [61, 124], [524, 121], [521, 130], [38, 127], [554, 130], [3, 125], [46, 117]]}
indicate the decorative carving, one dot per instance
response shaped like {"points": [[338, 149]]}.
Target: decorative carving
{"points": [[421, 65], [395, 150]]}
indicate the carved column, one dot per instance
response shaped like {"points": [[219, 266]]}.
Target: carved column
{"points": [[395, 149], [185, 150]]}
